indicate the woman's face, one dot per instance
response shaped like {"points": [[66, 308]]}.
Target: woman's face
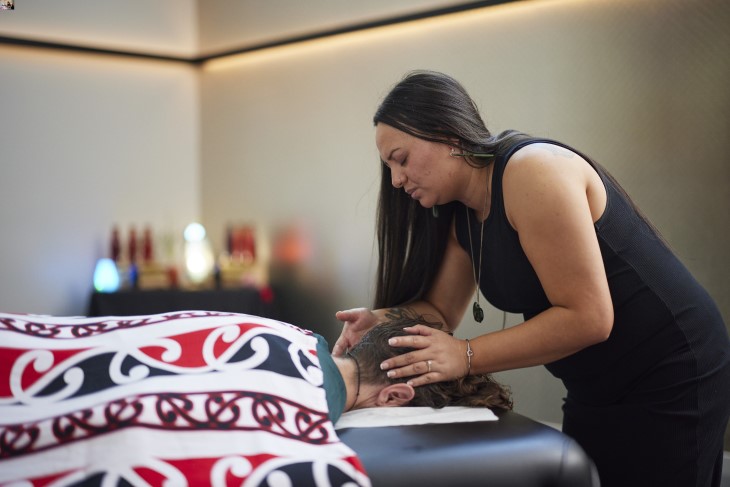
{"points": [[424, 169]]}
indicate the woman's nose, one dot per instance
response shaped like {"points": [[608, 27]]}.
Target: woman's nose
{"points": [[396, 178]]}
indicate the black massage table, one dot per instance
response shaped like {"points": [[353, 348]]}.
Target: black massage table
{"points": [[514, 451]]}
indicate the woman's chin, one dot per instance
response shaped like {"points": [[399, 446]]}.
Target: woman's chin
{"points": [[424, 203]]}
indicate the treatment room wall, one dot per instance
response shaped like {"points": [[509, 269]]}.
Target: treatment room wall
{"points": [[87, 141], [287, 137]]}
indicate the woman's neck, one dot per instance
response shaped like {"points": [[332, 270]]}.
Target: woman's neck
{"points": [[477, 196]]}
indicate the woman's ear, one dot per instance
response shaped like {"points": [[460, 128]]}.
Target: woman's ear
{"points": [[395, 395]]}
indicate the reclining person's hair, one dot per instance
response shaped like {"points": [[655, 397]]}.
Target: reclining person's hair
{"points": [[479, 390]]}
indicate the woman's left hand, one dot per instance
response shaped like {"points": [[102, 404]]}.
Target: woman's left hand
{"points": [[437, 357]]}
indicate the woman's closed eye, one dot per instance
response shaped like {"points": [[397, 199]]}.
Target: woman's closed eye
{"points": [[400, 162]]}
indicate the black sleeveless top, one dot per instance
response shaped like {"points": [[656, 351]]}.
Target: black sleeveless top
{"points": [[659, 307]]}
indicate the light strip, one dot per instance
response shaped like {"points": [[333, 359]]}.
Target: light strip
{"points": [[385, 31], [268, 45], [357, 28]]}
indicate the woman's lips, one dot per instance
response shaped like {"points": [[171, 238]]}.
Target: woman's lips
{"points": [[412, 193]]}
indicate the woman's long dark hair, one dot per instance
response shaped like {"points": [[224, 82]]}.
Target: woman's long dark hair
{"points": [[480, 390], [411, 242]]}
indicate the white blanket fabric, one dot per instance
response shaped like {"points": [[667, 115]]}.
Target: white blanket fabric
{"points": [[376, 417]]}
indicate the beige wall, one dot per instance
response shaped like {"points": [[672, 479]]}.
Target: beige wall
{"points": [[640, 85], [87, 141]]}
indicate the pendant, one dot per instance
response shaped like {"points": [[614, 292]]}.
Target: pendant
{"points": [[478, 312]]}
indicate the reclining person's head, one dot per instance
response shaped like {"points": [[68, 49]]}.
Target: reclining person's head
{"points": [[473, 390]]}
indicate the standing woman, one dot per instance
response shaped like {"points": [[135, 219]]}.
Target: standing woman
{"points": [[544, 231]]}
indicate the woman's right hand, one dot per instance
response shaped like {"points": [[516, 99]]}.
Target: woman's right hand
{"points": [[357, 322]]}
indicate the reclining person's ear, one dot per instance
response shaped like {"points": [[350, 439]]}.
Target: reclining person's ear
{"points": [[395, 395]]}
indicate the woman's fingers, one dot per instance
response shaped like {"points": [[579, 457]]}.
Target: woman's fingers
{"points": [[420, 373], [340, 346], [410, 341], [421, 330], [347, 315], [356, 322], [433, 359], [418, 367], [410, 363], [424, 379], [418, 338], [400, 361], [347, 339]]}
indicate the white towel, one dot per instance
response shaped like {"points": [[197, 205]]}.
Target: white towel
{"points": [[400, 416]]}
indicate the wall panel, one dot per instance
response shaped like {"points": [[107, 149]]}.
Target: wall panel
{"points": [[88, 141]]}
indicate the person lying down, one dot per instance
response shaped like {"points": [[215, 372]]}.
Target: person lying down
{"points": [[193, 398], [378, 390]]}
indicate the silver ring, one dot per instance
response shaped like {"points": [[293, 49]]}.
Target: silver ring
{"points": [[429, 365]]}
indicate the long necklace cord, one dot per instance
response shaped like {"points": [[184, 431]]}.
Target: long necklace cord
{"points": [[477, 310]]}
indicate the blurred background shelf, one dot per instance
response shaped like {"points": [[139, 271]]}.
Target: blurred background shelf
{"points": [[136, 302]]}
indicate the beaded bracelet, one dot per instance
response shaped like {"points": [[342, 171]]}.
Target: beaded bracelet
{"points": [[469, 355]]}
